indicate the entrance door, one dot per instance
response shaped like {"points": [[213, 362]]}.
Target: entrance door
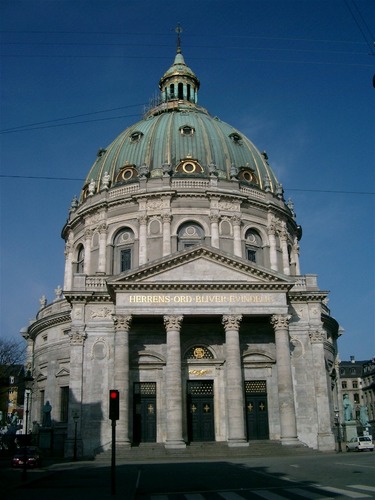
{"points": [[200, 406], [256, 409], [144, 412]]}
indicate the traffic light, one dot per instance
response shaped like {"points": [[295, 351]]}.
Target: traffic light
{"points": [[114, 404]]}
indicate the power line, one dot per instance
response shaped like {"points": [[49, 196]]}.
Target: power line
{"points": [[359, 26], [43, 177], [11, 129]]}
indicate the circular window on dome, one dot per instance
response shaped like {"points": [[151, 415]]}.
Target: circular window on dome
{"points": [[247, 175], [136, 136], [189, 167], [125, 174]]}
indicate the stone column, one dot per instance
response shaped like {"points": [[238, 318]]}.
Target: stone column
{"points": [[88, 237], [288, 427], [142, 239], [272, 240], [235, 390], [121, 375], [295, 251], [326, 440], [68, 274], [102, 247], [174, 383], [77, 343], [166, 234], [284, 249], [237, 244], [214, 219]]}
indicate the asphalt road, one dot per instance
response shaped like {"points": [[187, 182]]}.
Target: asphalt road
{"points": [[318, 476]]}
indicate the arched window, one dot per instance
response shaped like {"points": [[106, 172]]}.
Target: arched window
{"points": [[80, 259], [180, 91], [123, 249], [190, 234], [253, 246], [171, 91]]}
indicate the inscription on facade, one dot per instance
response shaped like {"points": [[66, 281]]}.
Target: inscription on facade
{"points": [[201, 299]]}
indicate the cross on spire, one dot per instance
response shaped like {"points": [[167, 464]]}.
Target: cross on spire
{"points": [[178, 31]]}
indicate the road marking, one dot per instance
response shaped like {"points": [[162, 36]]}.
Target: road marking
{"points": [[349, 494], [230, 495], [268, 495], [361, 487], [305, 493], [355, 465]]}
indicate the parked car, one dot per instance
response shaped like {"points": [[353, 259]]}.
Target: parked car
{"points": [[360, 443], [32, 455]]}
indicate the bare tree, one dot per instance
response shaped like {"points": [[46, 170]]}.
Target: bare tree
{"points": [[12, 353]]}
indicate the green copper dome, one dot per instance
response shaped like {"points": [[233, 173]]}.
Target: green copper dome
{"points": [[179, 138]]}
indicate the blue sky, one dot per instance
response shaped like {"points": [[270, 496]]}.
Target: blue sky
{"points": [[295, 76]]}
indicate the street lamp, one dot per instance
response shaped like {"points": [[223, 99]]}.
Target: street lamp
{"points": [[75, 419], [337, 422], [28, 381]]}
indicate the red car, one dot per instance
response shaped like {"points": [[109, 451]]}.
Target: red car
{"points": [[31, 454]]}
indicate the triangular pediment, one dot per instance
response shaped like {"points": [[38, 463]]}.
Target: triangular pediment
{"points": [[201, 266]]}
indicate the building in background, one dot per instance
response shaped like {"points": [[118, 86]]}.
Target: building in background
{"points": [[183, 291], [357, 380]]}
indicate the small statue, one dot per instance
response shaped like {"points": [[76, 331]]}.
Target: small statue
{"points": [[348, 408], [363, 416], [233, 171], [58, 292], [105, 180], [92, 187], [47, 408], [43, 301]]}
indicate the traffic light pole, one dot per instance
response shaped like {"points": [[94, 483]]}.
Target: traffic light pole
{"points": [[113, 458]]}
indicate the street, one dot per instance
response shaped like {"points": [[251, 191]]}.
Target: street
{"points": [[317, 476]]}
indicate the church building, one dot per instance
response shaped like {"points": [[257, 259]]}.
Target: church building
{"points": [[183, 291]]}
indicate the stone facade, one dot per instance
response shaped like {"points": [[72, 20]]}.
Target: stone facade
{"points": [[182, 290]]}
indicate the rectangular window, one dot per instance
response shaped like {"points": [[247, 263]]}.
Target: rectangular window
{"points": [[125, 260], [355, 384], [64, 404], [251, 255], [344, 384], [356, 398]]}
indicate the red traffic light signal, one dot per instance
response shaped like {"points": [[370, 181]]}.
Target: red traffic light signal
{"points": [[114, 404]]}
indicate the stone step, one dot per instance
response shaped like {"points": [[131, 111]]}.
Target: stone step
{"points": [[157, 451]]}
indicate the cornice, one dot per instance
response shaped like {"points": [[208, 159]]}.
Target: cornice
{"points": [[194, 286], [86, 297], [48, 322], [307, 296]]}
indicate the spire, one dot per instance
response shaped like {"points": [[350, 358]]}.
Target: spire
{"points": [[178, 31], [179, 82]]}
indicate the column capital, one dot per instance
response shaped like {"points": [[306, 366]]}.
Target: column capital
{"points": [[103, 228], [143, 219], [166, 218], [236, 220], [231, 321], [214, 217], [88, 233], [280, 321], [77, 335], [122, 322], [317, 336], [172, 322]]}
